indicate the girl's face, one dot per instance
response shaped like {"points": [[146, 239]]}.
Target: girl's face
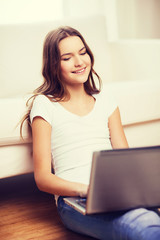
{"points": [[75, 61]]}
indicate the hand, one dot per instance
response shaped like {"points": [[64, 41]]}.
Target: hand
{"points": [[82, 190]]}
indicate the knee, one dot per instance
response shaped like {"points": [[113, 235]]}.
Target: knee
{"points": [[148, 218], [141, 224]]}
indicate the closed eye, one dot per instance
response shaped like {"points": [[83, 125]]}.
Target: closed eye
{"points": [[65, 59], [83, 53]]}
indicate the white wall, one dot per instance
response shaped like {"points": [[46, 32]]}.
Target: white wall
{"points": [[125, 19], [21, 52], [126, 60], [82, 8], [138, 18], [29, 11]]}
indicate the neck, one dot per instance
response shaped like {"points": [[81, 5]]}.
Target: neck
{"points": [[77, 93]]}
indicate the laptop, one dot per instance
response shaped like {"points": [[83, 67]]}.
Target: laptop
{"points": [[121, 179]]}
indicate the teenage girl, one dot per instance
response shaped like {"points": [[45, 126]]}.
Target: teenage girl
{"points": [[70, 118]]}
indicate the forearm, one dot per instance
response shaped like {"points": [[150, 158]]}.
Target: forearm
{"points": [[53, 184], [119, 142]]}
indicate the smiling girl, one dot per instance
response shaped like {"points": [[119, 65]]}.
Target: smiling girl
{"points": [[70, 118]]}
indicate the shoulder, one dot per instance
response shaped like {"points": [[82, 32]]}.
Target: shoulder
{"points": [[41, 99], [106, 92], [107, 99], [42, 106]]}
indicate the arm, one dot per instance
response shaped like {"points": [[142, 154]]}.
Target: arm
{"points": [[45, 179], [118, 138]]}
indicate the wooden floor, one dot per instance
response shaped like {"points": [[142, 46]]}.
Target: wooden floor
{"points": [[28, 214]]}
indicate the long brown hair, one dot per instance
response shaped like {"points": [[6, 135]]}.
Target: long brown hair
{"points": [[53, 86]]}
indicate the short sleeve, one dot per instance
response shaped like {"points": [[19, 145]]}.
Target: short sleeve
{"points": [[42, 107]]}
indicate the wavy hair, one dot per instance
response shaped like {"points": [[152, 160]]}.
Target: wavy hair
{"points": [[53, 86]]}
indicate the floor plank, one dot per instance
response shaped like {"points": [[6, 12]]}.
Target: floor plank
{"points": [[28, 214]]}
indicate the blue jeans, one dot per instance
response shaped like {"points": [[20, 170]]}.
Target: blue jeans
{"points": [[137, 224]]}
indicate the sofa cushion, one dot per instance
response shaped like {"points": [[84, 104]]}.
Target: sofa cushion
{"points": [[15, 160], [12, 111], [139, 101]]}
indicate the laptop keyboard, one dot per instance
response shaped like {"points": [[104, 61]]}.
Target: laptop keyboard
{"points": [[82, 202]]}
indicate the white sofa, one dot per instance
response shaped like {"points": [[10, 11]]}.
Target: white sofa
{"points": [[20, 74]]}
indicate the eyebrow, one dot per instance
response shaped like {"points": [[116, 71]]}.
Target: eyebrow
{"points": [[71, 53]]}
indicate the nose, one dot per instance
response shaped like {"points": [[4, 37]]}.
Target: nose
{"points": [[78, 61]]}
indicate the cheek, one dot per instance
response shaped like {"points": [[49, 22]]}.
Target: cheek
{"points": [[88, 61], [64, 68]]}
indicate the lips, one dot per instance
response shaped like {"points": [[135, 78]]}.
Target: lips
{"points": [[79, 71]]}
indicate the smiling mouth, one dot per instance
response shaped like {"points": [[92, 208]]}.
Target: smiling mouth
{"points": [[79, 71]]}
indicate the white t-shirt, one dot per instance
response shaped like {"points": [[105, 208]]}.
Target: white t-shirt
{"points": [[74, 138]]}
